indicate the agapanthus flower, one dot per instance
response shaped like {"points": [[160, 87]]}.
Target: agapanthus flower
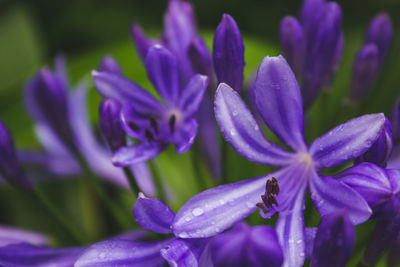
{"points": [[11, 235], [63, 128], [381, 188], [246, 245], [279, 102], [313, 46], [153, 123]]}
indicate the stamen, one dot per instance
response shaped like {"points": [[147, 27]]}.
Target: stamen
{"points": [[172, 120], [271, 191], [153, 123], [134, 126], [149, 136]]}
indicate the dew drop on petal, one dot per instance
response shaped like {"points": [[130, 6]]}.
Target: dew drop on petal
{"points": [[183, 235], [187, 219], [197, 211], [233, 132]]}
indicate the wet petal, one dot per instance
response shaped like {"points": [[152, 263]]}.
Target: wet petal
{"points": [[279, 102], [125, 91], [216, 209], [192, 95], [184, 252], [134, 154], [370, 181], [334, 241], [120, 252], [186, 135], [162, 69], [153, 215], [24, 254], [241, 130], [347, 141], [330, 195], [228, 53]]}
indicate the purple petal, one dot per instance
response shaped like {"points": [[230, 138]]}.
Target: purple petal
{"points": [[247, 246], [186, 135], [365, 67], [153, 215], [216, 209], [241, 130], [293, 43], [184, 252], [142, 43], [134, 154], [162, 69], [10, 235], [179, 31], [334, 241], [228, 53], [380, 32], [394, 178], [10, 167], [310, 233], [60, 69], [278, 100], [200, 58], [108, 64], [125, 91], [309, 11], [370, 181], [347, 141], [117, 252], [192, 95], [330, 195], [110, 123], [23, 254]]}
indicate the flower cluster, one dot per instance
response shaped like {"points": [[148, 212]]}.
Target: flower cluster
{"points": [[344, 177]]}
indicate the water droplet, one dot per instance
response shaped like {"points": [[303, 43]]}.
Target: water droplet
{"points": [[212, 222], [249, 204], [256, 128], [217, 230], [187, 219], [222, 201], [231, 202], [102, 255], [183, 235], [233, 132], [299, 241], [291, 241], [197, 211], [302, 254], [234, 113]]}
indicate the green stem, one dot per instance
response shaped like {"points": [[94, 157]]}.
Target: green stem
{"points": [[59, 216], [131, 179], [195, 165], [156, 170]]}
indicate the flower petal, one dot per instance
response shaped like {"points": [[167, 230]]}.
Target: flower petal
{"points": [[108, 64], [216, 209], [184, 252], [134, 154], [241, 130], [24, 254], [347, 141], [118, 252], [279, 102], [142, 43], [228, 53], [192, 94], [186, 135], [153, 215], [10, 235], [334, 241], [370, 181], [330, 195], [162, 69], [125, 91]]}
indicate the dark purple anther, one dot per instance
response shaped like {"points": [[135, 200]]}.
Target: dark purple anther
{"points": [[10, 168], [110, 123], [108, 64], [293, 43], [228, 53], [269, 197], [380, 32], [334, 241], [364, 70], [380, 152]]}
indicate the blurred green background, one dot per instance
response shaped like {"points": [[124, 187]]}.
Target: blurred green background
{"points": [[32, 32]]}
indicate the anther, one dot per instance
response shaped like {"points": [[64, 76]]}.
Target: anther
{"points": [[271, 191], [172, 120], [149, 136], [134, 126], [153, 123]]}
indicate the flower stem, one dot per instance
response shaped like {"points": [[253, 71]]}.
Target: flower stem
{"points": [[157, 174], [131, 179]]}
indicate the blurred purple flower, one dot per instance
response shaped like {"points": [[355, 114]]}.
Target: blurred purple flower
{"points": [[380, 32], [155, 124], [278, 100], [11, 235], [381, 189]]}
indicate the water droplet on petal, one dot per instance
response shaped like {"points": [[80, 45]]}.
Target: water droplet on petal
{"points": [[233, 132], [197, 211], [188, 219]]}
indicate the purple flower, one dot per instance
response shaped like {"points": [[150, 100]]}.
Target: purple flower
{"points": [[381, 188], [155, 124], [68, 130], [380, 32], [278, 100], [153, 215], [246, 245], [10, 167]]}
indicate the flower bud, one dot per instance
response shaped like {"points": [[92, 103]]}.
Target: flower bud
{"points": [[109, 114], [380, 32]]}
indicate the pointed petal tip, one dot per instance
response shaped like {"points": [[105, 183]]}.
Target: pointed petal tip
{"points": [[141, 195]]}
